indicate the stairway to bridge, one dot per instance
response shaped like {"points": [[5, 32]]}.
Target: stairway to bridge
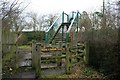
{"points": [[62, 28]]}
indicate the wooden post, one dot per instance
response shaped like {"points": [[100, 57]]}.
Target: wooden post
{"points": [[16, 54], [86, 51], [33, 53], [13, 51], [59, 61], [67, 59], [38, 60], [78, 48]]}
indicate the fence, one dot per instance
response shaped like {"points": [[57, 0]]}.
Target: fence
{"points": [[65, 57]]}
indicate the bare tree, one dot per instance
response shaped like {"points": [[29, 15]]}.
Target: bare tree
{"points": [[12, 19], [33, 20], [40, 23], [85, 21]]}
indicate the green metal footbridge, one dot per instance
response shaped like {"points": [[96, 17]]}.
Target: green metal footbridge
{"points": [[62, 27]]}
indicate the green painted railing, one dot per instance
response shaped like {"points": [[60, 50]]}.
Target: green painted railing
{"points": [[72, 18], [55, 26], [74, 24]]}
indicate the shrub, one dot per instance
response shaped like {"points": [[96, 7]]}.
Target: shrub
{"points": [[103, 49]]}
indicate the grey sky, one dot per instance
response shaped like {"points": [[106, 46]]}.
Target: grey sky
{"points": [[57, 6]]}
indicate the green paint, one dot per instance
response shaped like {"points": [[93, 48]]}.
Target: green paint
{"points": [[63, 17], [67, 18], [67, 37]]}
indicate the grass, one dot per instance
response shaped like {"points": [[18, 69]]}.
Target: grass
{"points": [[11, 54], [25, 47], [8, 60], [8, 57], [87, 71]]}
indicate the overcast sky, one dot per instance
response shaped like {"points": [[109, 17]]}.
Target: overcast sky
{"points": [[57, 6]]}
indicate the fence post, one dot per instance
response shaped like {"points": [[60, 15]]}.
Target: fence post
{"points": [[78, 48], [16, 54], [38, 60], [59, 61], [86, 53], [67, 59], [33, 53]]}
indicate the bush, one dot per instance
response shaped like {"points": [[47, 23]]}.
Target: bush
{"points": [[103, 53], [23, 39], [28, 37]]}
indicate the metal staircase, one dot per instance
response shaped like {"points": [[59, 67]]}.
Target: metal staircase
{"points": [[61, 27]]}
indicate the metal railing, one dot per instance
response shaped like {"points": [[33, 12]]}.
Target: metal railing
{"points": [[55, 26], [72, 19], [74, 25]]}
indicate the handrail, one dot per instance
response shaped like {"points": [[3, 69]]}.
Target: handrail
{"points": [[54, 29], [60, 16], [66, 14], [71, 23], [56, 20], [78, 12], [53, 23]]}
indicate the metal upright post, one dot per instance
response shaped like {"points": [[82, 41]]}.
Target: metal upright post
{"points": [[67, 37], [67, 18], [77, 21], [62, 26], [63, 17], [72, 14], [77, 34]]}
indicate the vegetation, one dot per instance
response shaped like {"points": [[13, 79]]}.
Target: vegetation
{"points": [[103, 49], [28, 37], [103, 39]]}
